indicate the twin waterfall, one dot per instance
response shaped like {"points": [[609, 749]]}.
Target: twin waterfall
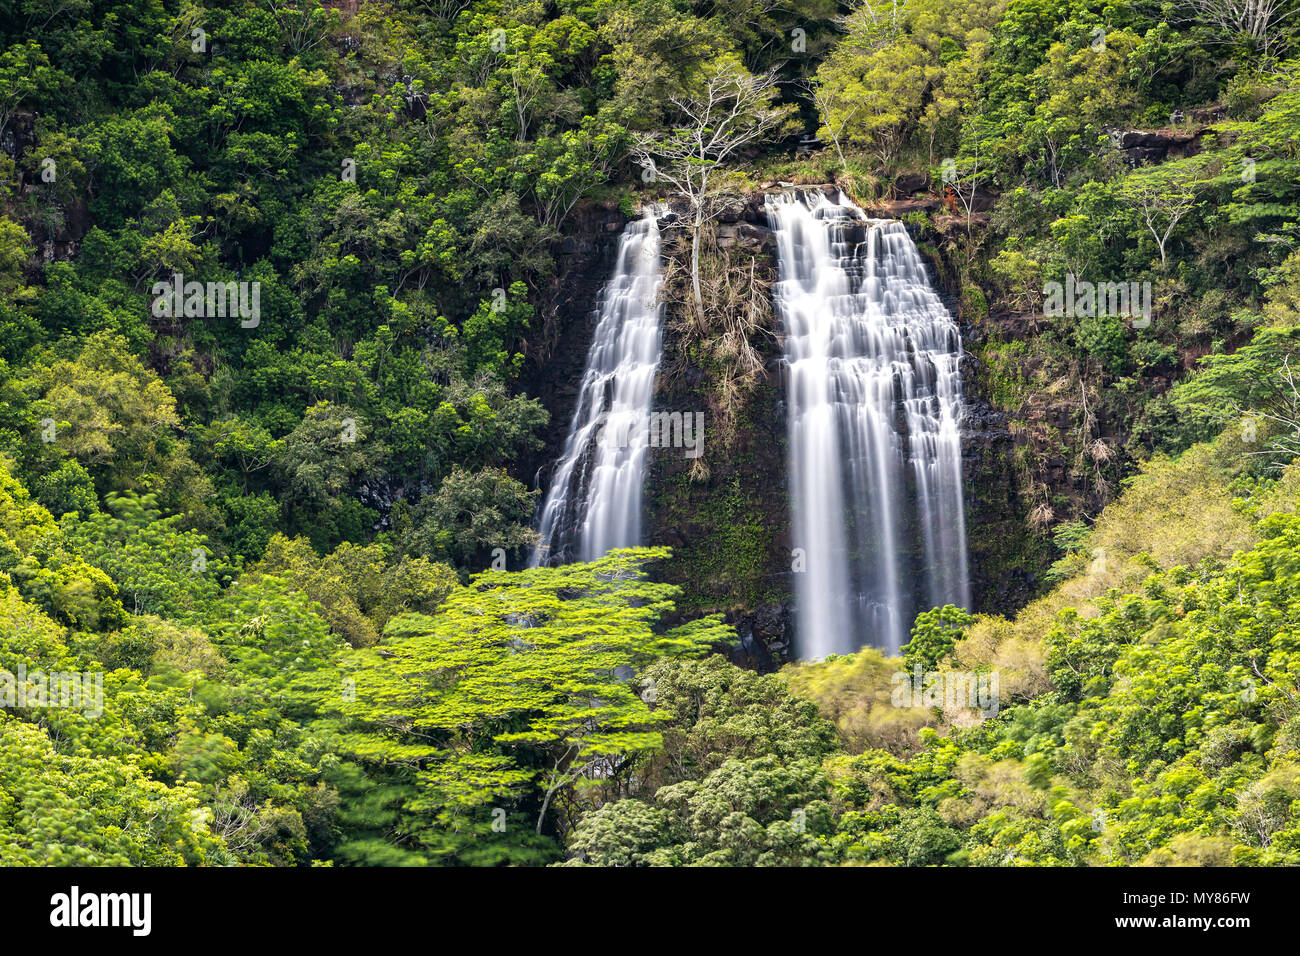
{"points": [[874, 409], [594, 502]]}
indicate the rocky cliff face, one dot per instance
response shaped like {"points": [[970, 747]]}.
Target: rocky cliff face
{"points": [[57, 234], [1007, 557], [558, 353], [1180, 139], [726, 514]]}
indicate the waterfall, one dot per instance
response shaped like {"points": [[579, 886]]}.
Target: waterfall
{"points": [[594, 500], [875, 406]]}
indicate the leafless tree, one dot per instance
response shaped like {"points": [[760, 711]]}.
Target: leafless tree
{"points": [[732, 110], [1263, 23], [446, 11], [1283, 446], [879, 13], [303, 25]]}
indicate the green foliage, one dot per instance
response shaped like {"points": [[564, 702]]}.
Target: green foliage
{"points": [[358, 588], [902, 71], [15, 250], [62, 810], [159, 568], [518, 689], [737, 783], [1105, 338], [255, 537], [472, 513], [934, 636], [488, 332], [107, 412]]}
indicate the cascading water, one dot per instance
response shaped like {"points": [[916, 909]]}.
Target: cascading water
{"points": [[875, 427], [594, 501]]}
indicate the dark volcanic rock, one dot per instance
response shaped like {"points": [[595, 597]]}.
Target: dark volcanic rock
{"points": [[909, 183], [584, 260], [764, 638], [748, 237], [1156, 146]]}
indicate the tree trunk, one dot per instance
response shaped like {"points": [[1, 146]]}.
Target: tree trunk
{"points": [[547, 803], [695, 267], [557, 782]]}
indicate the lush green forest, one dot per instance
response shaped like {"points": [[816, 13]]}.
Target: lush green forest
{"points": [[290, 542]]}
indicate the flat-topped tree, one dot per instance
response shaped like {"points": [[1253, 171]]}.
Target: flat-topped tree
{"points": [[521, 686], [1165, 194]]}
